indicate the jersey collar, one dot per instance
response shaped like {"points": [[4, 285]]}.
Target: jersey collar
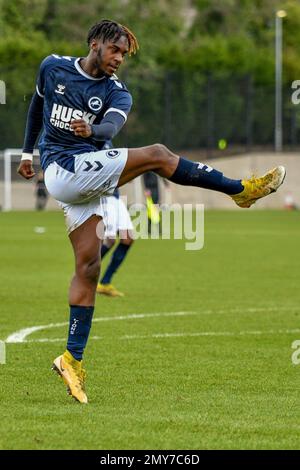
{"points": [[82, 72]]}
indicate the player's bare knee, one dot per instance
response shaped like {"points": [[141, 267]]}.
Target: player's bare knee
{"points": [[89, 270], [95, 271], [92, 272], [162, 155], [159, 151]]}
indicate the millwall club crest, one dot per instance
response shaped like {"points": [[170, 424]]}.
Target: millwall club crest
{"points": [[95, 103], [113, 153]]}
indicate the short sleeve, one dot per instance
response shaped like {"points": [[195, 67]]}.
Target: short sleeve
{"points": [[120, 100], [46, 64]]}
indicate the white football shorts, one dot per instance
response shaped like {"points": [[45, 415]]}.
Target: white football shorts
{"points": [[96, 174], [115, 215]]}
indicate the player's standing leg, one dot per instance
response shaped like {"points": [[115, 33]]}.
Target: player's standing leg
{"points": [[86, 246]]}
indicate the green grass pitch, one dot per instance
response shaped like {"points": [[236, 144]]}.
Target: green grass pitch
{"points": [[219, 375]]}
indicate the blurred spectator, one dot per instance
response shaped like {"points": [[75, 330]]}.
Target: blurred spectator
{"points": [[40, 192], [289, 202], [151, 185], [152, 194]]}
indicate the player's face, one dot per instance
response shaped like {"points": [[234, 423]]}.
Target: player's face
{"points": [[110, 55]]}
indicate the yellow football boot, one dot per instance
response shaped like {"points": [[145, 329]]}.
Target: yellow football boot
{"points": [[108, 289], [73, 375], [256, 188]]}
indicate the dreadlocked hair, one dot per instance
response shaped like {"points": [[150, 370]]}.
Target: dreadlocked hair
{"points": [[108, 30]]}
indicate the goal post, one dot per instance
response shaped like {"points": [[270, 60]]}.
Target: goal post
{"points": [[10, 156]]}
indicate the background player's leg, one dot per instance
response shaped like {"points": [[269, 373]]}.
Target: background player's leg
{"points": [[117, 258], [107, 289], [107, 246]]}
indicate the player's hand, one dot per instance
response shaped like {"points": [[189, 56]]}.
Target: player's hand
{"points": [[81, 128], [26, 169]]}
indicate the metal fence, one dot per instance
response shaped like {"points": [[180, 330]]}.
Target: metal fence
{"points": [[187, 111]]}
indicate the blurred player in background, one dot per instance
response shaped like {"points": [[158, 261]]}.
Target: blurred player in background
{"points": [[152, 194], [117, 222], [41, 192], [289, 202], [80, 104]]}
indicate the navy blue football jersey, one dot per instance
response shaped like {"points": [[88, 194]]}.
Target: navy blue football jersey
{"points": [[70, 93]]}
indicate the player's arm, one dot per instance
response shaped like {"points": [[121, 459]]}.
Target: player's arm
{"points": [[34, 122], [119, 104], [109, 127], [34, 125]]}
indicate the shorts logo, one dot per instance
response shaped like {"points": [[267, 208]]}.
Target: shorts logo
{"points": [[113, 153], [95, 103], [90, 166]]}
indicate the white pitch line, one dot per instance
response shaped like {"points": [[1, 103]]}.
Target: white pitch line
{"points": [[210, 333], [178, 335], [20, 336]]}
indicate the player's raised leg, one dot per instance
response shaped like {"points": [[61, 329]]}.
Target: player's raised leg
{"points": [[86, 246], [161, 160]]}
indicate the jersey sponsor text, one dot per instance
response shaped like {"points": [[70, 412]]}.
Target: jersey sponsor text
{"points": [[61, 116]]}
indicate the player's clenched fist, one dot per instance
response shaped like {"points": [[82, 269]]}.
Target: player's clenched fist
{"points": [[81, 128], [26, 169]]}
